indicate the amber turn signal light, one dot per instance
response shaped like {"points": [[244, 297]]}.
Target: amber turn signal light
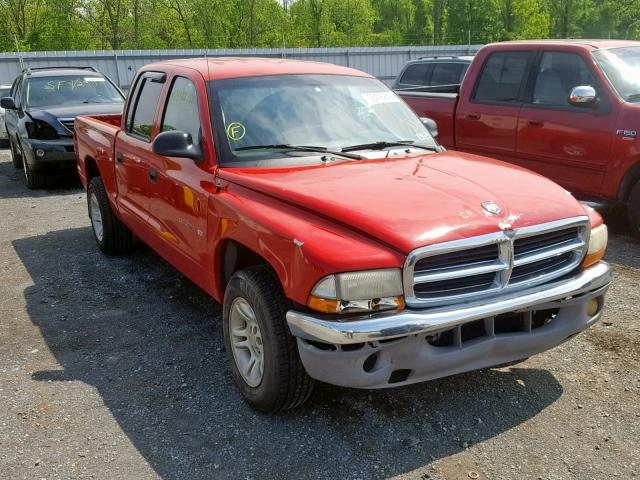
{"points": [[597, 246]]}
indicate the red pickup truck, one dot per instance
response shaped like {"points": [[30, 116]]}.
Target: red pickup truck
{"points": [[566, 109], [344, 243]]}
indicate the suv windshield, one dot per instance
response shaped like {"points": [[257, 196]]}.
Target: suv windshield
{"points": [[266, 117], [622, 68], [67, 90]]}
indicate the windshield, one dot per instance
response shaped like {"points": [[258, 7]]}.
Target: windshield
{"points": [[327, 111], [622, 68], [67, 90]]}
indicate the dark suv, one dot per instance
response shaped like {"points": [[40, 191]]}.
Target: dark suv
{"points": [[40, 115], [433, 72]]}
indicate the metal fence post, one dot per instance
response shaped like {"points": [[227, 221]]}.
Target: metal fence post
{"points": [[115, 59]]}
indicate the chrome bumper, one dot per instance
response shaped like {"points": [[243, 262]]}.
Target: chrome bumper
{"points": [[409, 322]]}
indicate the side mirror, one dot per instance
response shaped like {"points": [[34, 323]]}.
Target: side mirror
{"points": [[7, 103], [583, 96], [175, 143], [431, 125]]}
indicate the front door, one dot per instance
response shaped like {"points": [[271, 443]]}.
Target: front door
{"points": [[567, 144], [486, 120]]}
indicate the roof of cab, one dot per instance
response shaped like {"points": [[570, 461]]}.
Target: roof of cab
{"points": [[216, 68], [595, 44]]}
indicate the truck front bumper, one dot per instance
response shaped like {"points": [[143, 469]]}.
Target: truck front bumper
{"points": [[399, 348]]}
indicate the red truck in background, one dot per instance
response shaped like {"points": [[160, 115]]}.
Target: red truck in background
{"points": [[569, 110], [344, 243]]}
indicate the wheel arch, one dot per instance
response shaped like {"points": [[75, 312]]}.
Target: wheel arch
{"points": [[233, 256], [630, 179], [91, 168]]}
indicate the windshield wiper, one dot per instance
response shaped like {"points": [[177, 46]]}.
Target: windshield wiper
{"points": [[632, 97], [385, 144], [303, 148]]}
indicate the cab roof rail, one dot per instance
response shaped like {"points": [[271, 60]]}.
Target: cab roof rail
{"points": [[66, 67]]}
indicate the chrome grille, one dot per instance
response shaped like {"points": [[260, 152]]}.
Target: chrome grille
{"points": [[470, 268], [69, 123]]}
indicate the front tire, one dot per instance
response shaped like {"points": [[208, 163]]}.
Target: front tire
{"points": [[16, 159], [633, 210], [262, 353], [112, 236], [32, 180]]}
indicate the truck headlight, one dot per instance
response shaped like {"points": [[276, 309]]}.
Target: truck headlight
{"points": [[365, 291], [597, 246]]}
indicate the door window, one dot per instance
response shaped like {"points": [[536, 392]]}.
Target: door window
{"points": [[415, 74], [557, 74], [145, 108], [502, 77], [446, 74], [181, 112], [16, 92]]}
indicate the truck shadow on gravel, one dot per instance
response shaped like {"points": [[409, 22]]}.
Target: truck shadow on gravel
{"points": [[151, 343]]}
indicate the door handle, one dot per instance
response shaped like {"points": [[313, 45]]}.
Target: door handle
{"points": [[535, 123], [119, 157], [153, 175], [473, 116]]}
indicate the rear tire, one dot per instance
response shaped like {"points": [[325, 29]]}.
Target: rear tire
{"points": [[633, 210], [112, 236], [255, 328]]}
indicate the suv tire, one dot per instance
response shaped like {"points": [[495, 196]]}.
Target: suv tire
{"points": [[16, 159], [112, 236], [258, 342], [32, 180]]}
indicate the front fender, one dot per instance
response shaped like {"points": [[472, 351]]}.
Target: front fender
{"points": [[301, 246]]}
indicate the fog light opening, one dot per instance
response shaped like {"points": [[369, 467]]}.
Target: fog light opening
{"points": [[370, 363], [594, 306], [40, 152]]}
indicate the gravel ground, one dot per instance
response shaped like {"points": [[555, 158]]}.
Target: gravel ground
{"points": [[113, 368]]}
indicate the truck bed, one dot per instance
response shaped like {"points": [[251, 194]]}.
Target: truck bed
{"points": [[437, 105], [94, 140]]}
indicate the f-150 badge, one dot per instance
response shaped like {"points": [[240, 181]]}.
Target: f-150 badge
{"points": [[627, 133]]}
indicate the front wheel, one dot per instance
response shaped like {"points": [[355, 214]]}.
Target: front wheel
{"points": [[16, 159], [262, 353], [33, 180], [633, 210]]}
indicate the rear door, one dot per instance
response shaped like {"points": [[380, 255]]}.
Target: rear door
{"points": [[133, 148], [178, 199], [568, 144], [487, 118]]}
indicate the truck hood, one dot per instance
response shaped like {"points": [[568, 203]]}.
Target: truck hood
{"points": [[411, 202]]}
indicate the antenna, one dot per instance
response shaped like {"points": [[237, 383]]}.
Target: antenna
{"points": [[15, 37]]}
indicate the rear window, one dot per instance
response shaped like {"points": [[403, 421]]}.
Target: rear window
{"points": [[69, 90], [145, 110], [415, 74], [446, 74], [502, 76]]}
